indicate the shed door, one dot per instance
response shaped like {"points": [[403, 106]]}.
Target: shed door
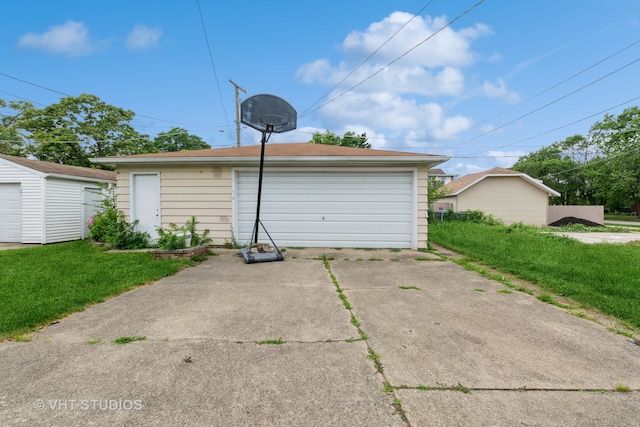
{"points": [[10, 213], [329, 209], [145, 202]]}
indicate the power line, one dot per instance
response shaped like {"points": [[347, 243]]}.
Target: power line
{"points": [[553, 102], [366, 59], [215, 74], [69, 95], [397, 59], [558, 84]]}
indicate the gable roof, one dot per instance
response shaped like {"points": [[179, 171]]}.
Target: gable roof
{"points": [[49, 168], [288, 153], [461, 184]]}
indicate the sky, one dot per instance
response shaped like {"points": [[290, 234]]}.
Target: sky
{"points": [[482, 82]]}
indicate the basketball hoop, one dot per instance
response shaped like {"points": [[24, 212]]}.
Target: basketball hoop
{"points": [[267, 114]]}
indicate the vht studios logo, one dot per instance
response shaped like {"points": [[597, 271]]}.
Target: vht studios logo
{"points": [[88, 405]]}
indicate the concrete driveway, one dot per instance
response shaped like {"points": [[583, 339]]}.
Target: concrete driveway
{"points": [[454, 352]]}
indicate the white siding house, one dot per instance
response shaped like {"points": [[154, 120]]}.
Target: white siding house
{"points": [[313, 195], [43, 202]]}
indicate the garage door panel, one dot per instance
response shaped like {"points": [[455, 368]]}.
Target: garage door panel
{"points": [[329, 209]]}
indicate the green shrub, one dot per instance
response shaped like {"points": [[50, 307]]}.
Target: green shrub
{"points": [[176, 237], [109, 226]]}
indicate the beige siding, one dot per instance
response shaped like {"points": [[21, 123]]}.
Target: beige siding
{"points": [[512, 199], [206, 192], [191, 190], [423, 207]]}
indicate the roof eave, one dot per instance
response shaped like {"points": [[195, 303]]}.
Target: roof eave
{"points": [[288, 160], [77, 178]]}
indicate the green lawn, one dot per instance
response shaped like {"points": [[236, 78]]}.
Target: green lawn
{"points": [[40, 284], [629, 218], [601, 276]]}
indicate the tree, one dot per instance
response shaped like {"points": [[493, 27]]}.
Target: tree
{"points": [[78, 128], [436, 190], [556, 170], [178, 139], [618, 140], [349, 139], [11, 140]]}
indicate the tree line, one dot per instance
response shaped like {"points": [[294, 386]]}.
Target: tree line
{"points": [[76, 129], [600, 168]]}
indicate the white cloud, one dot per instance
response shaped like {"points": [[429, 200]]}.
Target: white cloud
{"points": [[381, 110], [398, 89], [70, 38], [499, 90], [143, 37], [506, 159]]}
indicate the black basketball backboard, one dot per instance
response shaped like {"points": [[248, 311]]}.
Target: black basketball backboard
{"points": [[268, 113]]}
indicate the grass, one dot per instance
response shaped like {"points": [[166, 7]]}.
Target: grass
{"points": [[605, 277], [127, 340], [45, 283], [409, 287], [277, 341]]}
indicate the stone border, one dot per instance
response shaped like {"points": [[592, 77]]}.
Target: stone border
{"points": [[181, 253]]}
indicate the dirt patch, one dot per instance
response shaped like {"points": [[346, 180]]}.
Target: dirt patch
{"points": [[572, 220]]}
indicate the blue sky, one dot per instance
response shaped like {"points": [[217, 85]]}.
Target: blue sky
{"points": [[483, 90]]}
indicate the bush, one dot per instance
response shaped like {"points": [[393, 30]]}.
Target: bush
{"points": [[176, 237], [109, 226]]}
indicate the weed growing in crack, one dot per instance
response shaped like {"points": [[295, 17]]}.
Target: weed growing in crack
{"points": [[387, 388], [415, 288], [94, 341], [354, 321], [127, 340], [622, 388], [277, 341], [375, 358]]}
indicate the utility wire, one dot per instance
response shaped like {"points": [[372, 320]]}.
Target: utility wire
{"points": [[397, 59], [558, 84], [366, 59], [553, 102], [66, 94], [215, 74]]}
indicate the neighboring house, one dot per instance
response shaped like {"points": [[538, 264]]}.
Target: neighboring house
{"points": [[313, 195], [43, 202], [439, 176], [506, 194]]}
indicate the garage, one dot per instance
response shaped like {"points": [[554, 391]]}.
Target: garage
{"points": [[368, 209], [10, 213], [313, 195]]}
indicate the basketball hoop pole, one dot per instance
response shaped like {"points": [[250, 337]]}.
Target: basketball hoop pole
{"points": [[267, 114], [256, 225]]}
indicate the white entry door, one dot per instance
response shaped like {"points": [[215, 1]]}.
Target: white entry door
{"points": [[10, 213], [145, 202]]}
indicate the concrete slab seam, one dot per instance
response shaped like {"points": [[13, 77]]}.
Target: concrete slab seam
{"points": [[372, 355]]}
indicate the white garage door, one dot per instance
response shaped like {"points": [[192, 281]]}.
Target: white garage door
{"points": [[329, 209], [10, 213]]}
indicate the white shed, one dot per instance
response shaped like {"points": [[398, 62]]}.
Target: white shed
{"points": [[43, 202]]}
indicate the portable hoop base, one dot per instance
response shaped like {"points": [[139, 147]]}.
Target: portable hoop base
{"points": [[251, 257]]}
